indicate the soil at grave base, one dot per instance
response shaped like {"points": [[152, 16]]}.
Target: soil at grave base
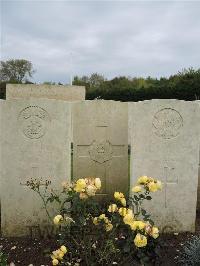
{"points": [[23, 251], [26, 251]]}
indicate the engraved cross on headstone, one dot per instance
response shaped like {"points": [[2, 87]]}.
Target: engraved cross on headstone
{"points": [[100, 151], [170, 179], [35, 176]]}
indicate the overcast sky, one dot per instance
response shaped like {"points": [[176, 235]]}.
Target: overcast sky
{"points": [[132, 38]]}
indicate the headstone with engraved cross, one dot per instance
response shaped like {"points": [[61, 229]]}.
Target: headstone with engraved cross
{"points": [[100, 135], [165, 145]]}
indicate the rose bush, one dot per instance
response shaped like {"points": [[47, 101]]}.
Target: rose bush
{"points": [[92, 232]]}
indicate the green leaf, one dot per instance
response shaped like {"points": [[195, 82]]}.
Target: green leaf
{"points": [[57, 199], [126, 248], [50, 199], [143, 212], [148, 197], [151, 221], [136, 198]]}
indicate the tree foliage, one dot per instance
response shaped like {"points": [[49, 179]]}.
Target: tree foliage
{"points": [[16, 70], [185, 85]]}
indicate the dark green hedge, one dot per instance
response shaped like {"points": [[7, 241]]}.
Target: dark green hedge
{"points": [[183, 87], [2, 90]]}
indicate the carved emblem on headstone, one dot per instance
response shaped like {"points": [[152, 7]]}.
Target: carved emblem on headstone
{"points": [[100, 151], [34, 121], [167, 123]]}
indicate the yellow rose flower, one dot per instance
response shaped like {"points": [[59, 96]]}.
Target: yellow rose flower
{"points": [[55, 254], [106, 220], [109, 227], [142, 180], [118, 195], [159, 185], [140, 225], [123, 201], [129, 211], [63, 249], [97, 183], [55, 262], [53, 257], [140, 240], [102, 216], [122, 211], [91, 190], [57, 219], [112, 208], [152, 187], [155, 232], [80, 185], [60, 255], [151, 179], [95, 220], [128, 219], [136, 189]]}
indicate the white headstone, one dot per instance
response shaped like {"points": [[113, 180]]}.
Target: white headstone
{"points": [[1, 155], [198, 192], [36, 143], [100, 138], [165, 145], [45, 91]]}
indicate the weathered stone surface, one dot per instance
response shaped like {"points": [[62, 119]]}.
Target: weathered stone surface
{"points": [[165, 145], [57, 92], [1, 155], [198, 191], [100, 137], [36, 143]]}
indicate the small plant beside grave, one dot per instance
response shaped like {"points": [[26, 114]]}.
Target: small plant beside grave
{"points": [[91, 232], [3, 259], [190, 255]]}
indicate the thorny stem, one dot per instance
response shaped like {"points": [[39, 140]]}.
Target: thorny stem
{"points": [[45, 204], [85, 255]]}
